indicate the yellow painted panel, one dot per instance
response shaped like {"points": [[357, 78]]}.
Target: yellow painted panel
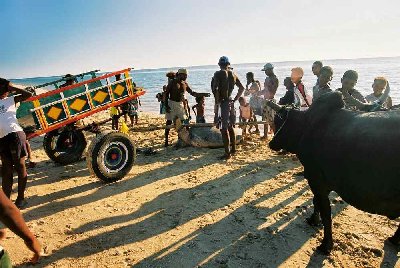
{"points": [[78, 104], [100, 96], [54, 113]]}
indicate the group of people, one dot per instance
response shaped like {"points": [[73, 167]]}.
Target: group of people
{"points": [[174, 104]]}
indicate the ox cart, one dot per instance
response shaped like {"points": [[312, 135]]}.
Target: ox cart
{"points": [[57, 115]]}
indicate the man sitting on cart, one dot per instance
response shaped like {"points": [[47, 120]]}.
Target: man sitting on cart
{"points": [[175, 97], [12, 140]]}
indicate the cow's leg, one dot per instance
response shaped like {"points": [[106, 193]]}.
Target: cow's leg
{"points": [[325, 211], [395, 239], [314, 219]]}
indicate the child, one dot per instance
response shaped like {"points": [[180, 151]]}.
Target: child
{"points": [[301, 97], [288, 99], [255, 100], [160, 99], [134, 110], [325, 77], [378, 86], [114, 114], [199, 107], [246, 113], [349, 81]]}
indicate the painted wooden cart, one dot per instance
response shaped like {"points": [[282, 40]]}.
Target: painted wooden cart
{"points": [[57, 115]]}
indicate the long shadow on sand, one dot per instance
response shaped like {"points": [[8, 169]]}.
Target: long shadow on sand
{"points": [[106, 190], [237, 243], [169, 210]]}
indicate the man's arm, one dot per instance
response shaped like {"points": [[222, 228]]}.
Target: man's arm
{"points": [[166, 98], [389, 103], [195, 94], [241, 89], [22, 94], [12, 218]]}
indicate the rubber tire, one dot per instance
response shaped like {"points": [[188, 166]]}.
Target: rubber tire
{"points": [[73, 154], [100, 145]]}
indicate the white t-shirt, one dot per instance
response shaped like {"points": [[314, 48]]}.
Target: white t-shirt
{"points": [[8, 117]]}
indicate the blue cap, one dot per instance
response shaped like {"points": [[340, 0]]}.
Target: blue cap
{"points": [[223, 61]]}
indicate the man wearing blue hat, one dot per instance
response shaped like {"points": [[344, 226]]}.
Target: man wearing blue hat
{"points": [[222, 85]]}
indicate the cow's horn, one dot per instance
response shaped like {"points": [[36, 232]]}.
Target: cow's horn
{"points": [[273, 105]]}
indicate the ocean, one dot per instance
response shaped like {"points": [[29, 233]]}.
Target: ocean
{"points": [[199, 78]]}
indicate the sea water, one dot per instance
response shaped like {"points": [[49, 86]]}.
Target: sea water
{"points": [[199, 78]]}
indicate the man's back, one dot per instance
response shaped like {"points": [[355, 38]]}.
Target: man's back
{"points": [[223, 84]]}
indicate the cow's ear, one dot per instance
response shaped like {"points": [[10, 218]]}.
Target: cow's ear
{"points": [[323, 106]]}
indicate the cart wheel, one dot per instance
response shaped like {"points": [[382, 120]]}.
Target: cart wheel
{"points": [[111, 156], [65, 147]]}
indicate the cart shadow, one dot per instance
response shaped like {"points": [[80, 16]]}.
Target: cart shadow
{"points": [[168, 211], [54, 204]]}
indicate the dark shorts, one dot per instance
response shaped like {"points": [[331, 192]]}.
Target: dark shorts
{"points": [[13, 146], [228, 114], [200, 119]]}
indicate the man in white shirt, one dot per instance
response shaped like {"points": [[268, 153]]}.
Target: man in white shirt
{"points": [[12, 140]]}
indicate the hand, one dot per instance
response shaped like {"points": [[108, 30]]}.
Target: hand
{"points": [[34, 246], [2, 234]]}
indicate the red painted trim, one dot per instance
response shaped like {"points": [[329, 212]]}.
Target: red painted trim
{"points": [[74, 119], [56, 91]]}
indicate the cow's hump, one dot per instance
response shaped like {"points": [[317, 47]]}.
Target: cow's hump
{"points": [[324, 105]]}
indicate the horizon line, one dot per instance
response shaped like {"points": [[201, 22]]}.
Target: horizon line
{"points": [[206, 65]]}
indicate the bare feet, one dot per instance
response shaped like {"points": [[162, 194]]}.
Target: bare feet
{"points": [[21, 203]]}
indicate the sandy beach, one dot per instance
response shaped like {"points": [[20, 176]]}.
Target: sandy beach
{"points": [[186, 208]]}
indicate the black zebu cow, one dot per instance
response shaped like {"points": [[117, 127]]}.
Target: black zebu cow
{"points": [[355, 154]]}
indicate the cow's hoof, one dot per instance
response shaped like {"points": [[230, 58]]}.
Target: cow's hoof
{"points": [[325, 248], [394, 240], [313, 221]]}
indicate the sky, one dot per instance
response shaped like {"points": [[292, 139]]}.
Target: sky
{"points": [[54, 37]]}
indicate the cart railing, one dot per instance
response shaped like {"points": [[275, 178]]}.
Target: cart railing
{"points": [[66, 105]]}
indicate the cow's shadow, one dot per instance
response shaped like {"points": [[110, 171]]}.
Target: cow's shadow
{"points": [[239, 245]]}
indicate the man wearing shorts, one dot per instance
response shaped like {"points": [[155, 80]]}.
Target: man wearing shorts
{"points": [[223, 84], [270, 87], [12, 140], [175, 98]]}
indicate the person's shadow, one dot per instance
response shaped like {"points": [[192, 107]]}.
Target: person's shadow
{"points": [[169, 210]]}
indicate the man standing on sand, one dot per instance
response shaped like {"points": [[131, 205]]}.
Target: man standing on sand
{"points": [[12, 140], [271, 84], [175, 98], [222, 86]]}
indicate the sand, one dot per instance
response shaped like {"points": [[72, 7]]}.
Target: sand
{"points": [[186, 208]]}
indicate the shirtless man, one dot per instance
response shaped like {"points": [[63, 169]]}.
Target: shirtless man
{"points": [[175, 99], [271, 84], [223, 84]]}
